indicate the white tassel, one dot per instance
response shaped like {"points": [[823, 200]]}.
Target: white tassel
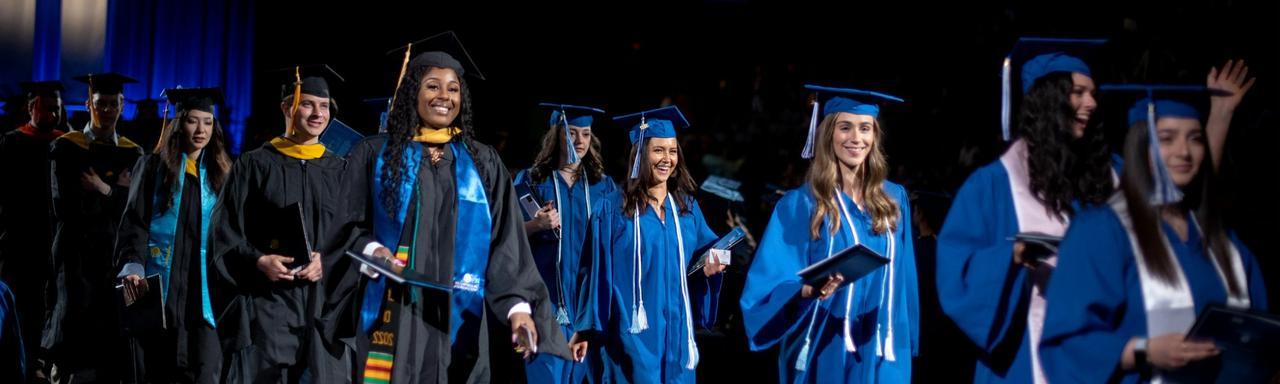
{"points": [[1164, 191], [849, 345], [693, 357], [635, 163], [813, 128], [887, 345], [562, 316], [568, 139], [639, 320], [802, 361], [1006, 98]]}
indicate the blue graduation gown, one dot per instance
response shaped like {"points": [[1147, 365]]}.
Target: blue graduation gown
{"points": [[774, 313], [562, 279], [660, 353], [978, 285], [1095, 302]]}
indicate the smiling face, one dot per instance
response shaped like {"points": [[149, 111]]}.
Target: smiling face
{"points": [[439, 97], [1082, 103], [853, 138], [311, 118], [664, 156]]}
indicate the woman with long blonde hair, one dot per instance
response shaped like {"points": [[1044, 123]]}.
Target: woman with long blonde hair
{"points": [[868, 333]]}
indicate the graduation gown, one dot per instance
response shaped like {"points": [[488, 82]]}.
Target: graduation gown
{"points": [[775, 314], [13, 359], [558, 260], [26, 231], [85, 316], [979, 286], [269, 329], [188, 349], [1096, 303], [423, 351], [665, 351]]}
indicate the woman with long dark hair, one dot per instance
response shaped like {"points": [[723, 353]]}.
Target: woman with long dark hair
{"points": [[1135, 273], [164, 232], [430, 198], [1058, 163], [642, 301], [567, 178], [869, 332]]}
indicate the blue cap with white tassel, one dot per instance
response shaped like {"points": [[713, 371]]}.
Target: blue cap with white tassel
{"points": [[567, 115], [848, 100], [655, 123], [1159, 101], [1036, 57]]}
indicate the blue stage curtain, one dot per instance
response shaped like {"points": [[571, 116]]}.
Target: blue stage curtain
{"points": [[195, 43]]}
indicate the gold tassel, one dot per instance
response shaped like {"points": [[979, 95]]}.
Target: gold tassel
{"points": [[164, 119], [404, 66], [297, 96]]}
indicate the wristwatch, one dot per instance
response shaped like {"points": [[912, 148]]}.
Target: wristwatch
{"points": [[1140, 362]]}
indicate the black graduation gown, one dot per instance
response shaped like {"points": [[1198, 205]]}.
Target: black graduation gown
{"points": [[188, 349], [26, 232], [86, 314], [423, 351], [268, 330]]}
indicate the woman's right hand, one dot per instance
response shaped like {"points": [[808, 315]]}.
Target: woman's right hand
{"points": [[546, 218], [1172, 351], [827, 289]]}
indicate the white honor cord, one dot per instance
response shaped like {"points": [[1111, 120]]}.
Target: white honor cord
{"points": [[684, 287], [848, 328]]}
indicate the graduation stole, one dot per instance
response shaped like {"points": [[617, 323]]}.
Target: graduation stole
{"points": [[164, 226], [471, 244], [1171, 308]]}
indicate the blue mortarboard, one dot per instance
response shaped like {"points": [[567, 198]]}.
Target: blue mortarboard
{"points": [[660, 123], [568, 115], [1037, 57], [1157, 101], [854, 101]]}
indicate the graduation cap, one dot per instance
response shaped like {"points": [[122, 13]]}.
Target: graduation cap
{"points": [[109, 83], [1036, 57], [723, 188], [185, 99], [1156, 101], [848, 100], [311, 79], [443, 50], [655, 123], [570, 115], [33, 89]]}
